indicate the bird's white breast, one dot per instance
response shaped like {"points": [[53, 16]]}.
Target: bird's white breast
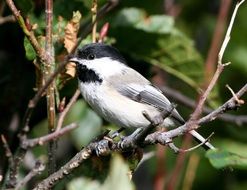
{"points": [[115, 107]]}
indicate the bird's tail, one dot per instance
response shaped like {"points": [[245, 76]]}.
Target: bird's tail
{"points": [[201, 139]]}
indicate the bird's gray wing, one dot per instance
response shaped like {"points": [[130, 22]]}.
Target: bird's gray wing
{"points": [[150, 95]]}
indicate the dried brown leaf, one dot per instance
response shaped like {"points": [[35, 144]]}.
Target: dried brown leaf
{"points": [[70, 69], [71, 31], [70, 39]]}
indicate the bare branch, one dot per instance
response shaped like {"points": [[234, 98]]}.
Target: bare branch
{"points": [[8, 152], [229, 105], [195, 115], [216, 41], [9, 18], [39, 167], [179, 97], [162, 138], [67, 108], [239, 101], [29, 143], [94, 21], [179, 150], [29, 34], [75, 162], [47, 70]]}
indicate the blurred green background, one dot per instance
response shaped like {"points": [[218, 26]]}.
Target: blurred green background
{"points": [[168, 42]]}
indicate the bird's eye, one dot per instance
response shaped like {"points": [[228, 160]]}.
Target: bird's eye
{"points": [[90, 56]]}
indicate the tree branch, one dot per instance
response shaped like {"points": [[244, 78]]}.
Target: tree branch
{"points": [[49, 67], [39, 167], [179, 97], [9, 18], [30, 143], [216, 40], [163, 138], [66, 110], [28, 33], [195, 115]]}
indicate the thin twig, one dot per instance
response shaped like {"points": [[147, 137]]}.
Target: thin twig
{"points": [[9, 18], [94, 21], [229, 105], [29, 143], [8, 152], [239, 101], [179, 97], [220, 68], [29, 34], [39, 167], [33, 102], [173, 147], [67, 108], [13, 170], [216, 40]]}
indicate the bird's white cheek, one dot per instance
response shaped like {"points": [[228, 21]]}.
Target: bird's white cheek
{"points": [[105, 67]]}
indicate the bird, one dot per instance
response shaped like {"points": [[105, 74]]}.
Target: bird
{"points": [[119, 93]]}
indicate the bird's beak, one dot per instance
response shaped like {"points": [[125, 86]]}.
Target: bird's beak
{"points": [[74, 60]]}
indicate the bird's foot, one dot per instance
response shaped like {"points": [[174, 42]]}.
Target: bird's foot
{"points": [[117, 133], [129, 141]]}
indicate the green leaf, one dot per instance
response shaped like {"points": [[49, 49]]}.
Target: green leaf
{"points": [[84, 183], [133, 17], [30, 53], [222, 158], [156, 40], [118, 176], [233, 146], [116, 179], [238, 56]]}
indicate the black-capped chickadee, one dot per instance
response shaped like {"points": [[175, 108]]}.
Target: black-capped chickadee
{"points": [[118, 93]]}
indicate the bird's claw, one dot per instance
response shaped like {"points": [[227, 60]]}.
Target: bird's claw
{"points": [[102, 148]]}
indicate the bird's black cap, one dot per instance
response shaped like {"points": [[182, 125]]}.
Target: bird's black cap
{"points": [[99, 50]]}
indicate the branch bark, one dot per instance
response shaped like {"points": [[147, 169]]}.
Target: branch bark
{"points": [[49, 67]]}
